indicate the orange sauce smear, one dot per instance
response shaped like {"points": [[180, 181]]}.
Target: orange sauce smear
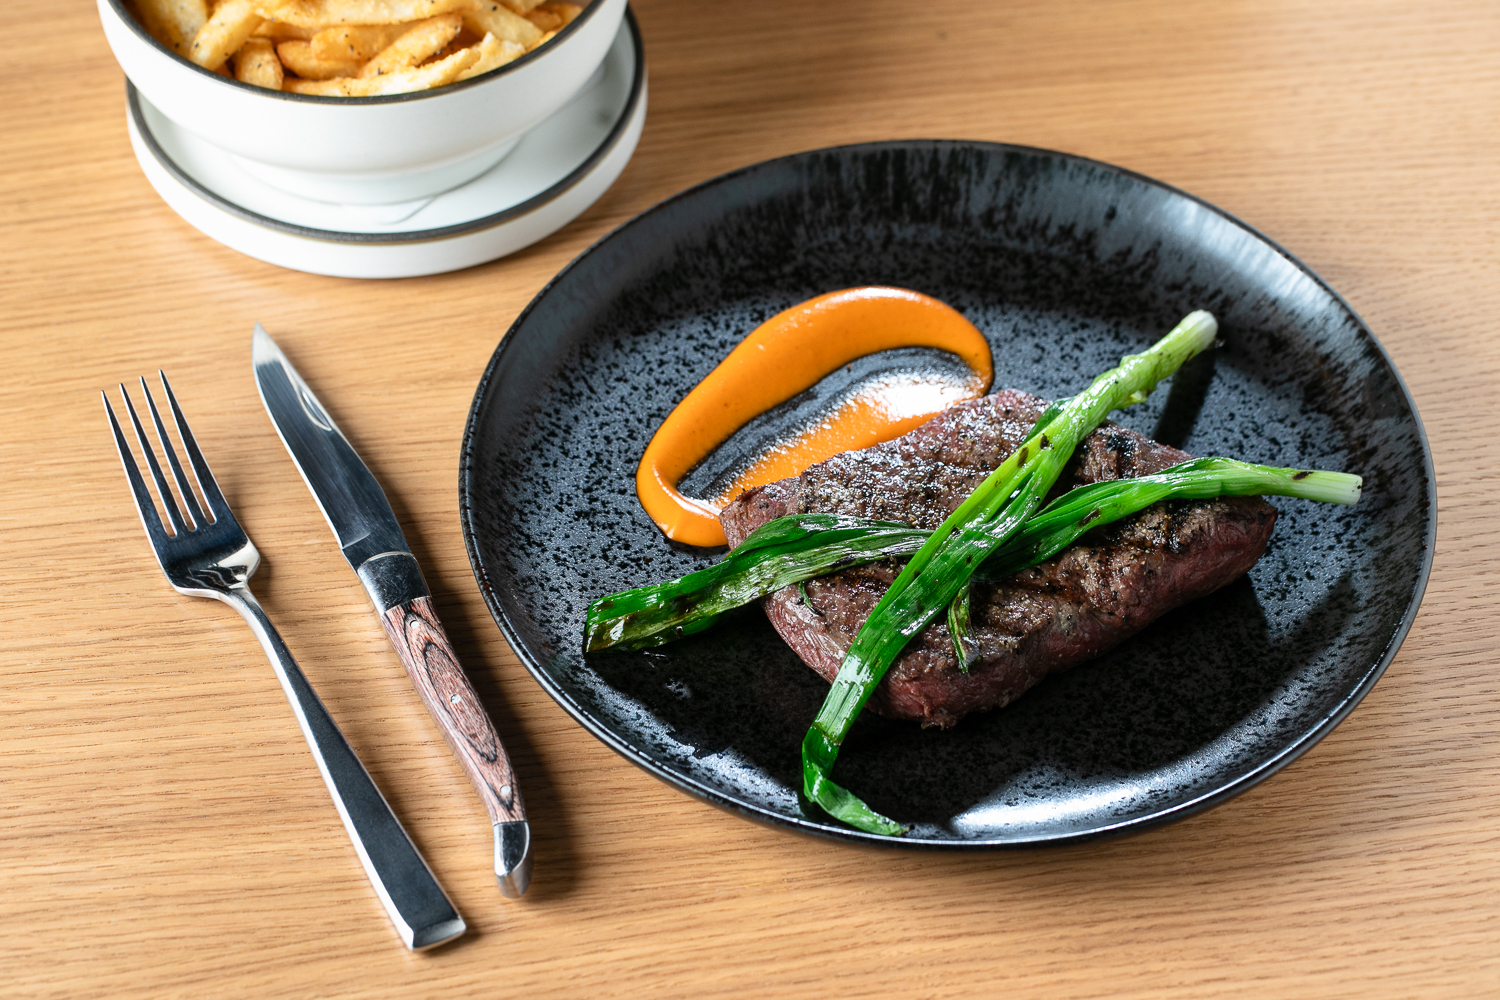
{"points": [[786, 355]]}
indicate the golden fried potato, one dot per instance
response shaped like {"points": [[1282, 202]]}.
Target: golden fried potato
{"points": [[521, 6], [174, 23], [224, 32], [493, 53], [256, 63], [298, 56], [490, 18], [327, 13], [553, 16], [280, 31], [421, 41], [566, 11], [354, 42], [402, 81], [544, 19]]}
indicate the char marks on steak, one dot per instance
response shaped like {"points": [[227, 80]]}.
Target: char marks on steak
{"points": [[1114, 581]]}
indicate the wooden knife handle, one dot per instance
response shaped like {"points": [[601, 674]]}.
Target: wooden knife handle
{"points": [[424, 647]]}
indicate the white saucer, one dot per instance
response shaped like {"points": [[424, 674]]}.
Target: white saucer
{"points": [[557, 171]]}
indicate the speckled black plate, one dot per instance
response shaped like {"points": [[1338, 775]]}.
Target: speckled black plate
{"points": [[1065, 264]]}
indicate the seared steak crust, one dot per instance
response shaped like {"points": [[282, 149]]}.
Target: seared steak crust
{"points": [[1113, 582]]}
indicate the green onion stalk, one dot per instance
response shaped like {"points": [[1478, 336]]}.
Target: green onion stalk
{"points": [[984, 522], [1086, 507], [778, 554], [800, 547]]}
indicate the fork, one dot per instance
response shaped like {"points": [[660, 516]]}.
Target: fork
{"points": [[208, 554]]}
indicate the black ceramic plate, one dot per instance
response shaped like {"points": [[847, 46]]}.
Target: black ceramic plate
{"points": [[1065, 264]]}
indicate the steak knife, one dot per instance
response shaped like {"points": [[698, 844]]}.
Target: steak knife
{"points": [[372, 541]]}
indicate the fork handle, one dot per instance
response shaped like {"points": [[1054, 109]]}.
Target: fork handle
{"points": [[415, 902]]}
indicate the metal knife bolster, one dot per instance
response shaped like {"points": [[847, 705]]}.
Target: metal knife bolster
{"points": [[392, 579]]}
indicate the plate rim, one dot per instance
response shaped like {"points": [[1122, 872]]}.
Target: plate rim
{"points": [[829, 830]]}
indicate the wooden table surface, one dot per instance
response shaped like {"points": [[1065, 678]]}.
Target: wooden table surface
{"points": [[162, 830]]}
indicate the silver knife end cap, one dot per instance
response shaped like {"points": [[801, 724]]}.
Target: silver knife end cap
{"points": [[439, 933], [513, 857]]}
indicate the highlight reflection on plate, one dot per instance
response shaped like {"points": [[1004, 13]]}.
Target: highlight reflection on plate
{"points": [[1065, 264]]}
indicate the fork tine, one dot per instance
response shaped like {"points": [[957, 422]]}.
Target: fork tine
{"points": [[143, 502], [217, 507], [173, 514], [184, 488]]}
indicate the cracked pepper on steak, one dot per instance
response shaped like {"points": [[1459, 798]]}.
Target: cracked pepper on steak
{"points": [[1110, 584]]}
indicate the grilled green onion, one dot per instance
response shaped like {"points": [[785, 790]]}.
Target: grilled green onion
{"points": [[657, 614], [987, 519], [1087, 507], [778, 554]]}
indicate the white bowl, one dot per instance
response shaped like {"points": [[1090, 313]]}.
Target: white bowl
{"points": [[366, 150], [558, 170]]}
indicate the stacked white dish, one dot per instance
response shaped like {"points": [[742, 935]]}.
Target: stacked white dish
{"points": [[397, 186]]}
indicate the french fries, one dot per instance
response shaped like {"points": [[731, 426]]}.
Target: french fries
{"points": [[323, 13], [400, 81], [256, 63], [280, 31], [493, 53], [230, 26], [419, 43], [353, 48], [491, 17], [553, 17], [354, 42], [174, 23], [299, 57]]}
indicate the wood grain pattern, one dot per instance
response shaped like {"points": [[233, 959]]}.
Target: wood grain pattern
{"points": [[433, 667], [161, 832]]}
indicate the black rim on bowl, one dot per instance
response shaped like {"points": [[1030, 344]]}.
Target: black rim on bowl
{"points": [[637, 85], [1065, 263], [568, 30]]}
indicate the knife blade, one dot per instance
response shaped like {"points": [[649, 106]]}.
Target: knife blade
{"points": [[372, 540]]}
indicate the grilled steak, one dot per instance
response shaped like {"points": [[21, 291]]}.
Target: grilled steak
{"points": [[1114, 581]]}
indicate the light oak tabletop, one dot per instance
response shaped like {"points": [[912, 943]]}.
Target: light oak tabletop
{"points": [[162, 829]]}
